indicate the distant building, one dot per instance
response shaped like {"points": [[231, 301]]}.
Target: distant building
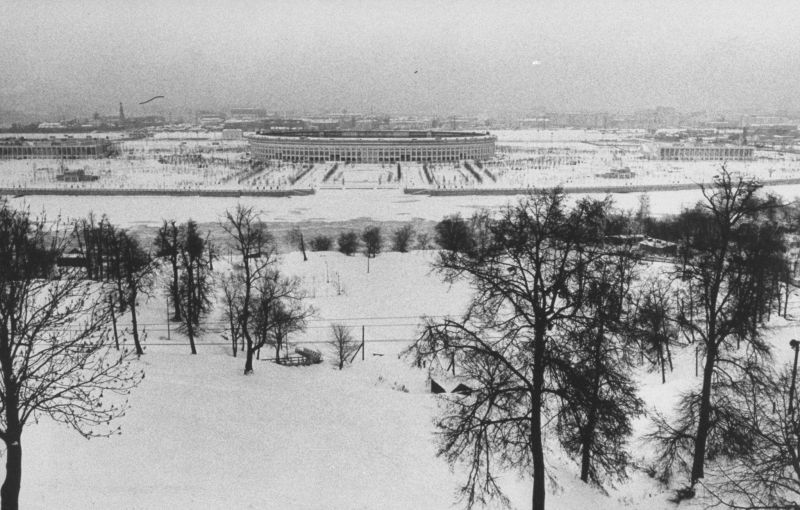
{"points": [[51, 125], [371, 146], [231, 134], [703, 153], [56, 148]]}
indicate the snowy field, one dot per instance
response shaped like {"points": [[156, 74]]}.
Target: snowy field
{"points": [[200, 435]]}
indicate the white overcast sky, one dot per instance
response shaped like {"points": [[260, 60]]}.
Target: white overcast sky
{"points": [[399, 55]]}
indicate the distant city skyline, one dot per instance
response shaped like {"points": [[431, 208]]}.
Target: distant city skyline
{"points": [[74, 58]]}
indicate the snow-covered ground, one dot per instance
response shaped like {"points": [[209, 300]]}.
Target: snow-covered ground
{"points": [[200, 435]]}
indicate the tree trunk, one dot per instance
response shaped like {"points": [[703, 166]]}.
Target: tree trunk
{"points": [[786, 300], [174, 290], [233, 335], [135, 327], [9, 493], [669, 357], [537, 449], [703, 422], [587, 434], [248, 364], [114, 321], [190, 334]]}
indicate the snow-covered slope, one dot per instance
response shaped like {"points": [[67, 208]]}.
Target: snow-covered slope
{"points": [[201, 435]]}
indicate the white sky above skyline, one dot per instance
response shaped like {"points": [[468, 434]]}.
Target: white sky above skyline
{"points": [[399, 56]]}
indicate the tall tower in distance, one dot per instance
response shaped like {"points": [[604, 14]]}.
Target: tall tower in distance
{"points": [[121, 114]]}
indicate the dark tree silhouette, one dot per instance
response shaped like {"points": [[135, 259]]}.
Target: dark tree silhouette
{"points": [[167, 247], [598, 394], [278, 310], [348, 242], [232, 301], [765, 470], [342, 344], [295, 238], [57, 359], [133, 271], [195, 285], [321, 243], [256, 247], [653, 326], [401, 239], [373, 241], [95, 243], [719, 305], [454, 234], [511, 340]]}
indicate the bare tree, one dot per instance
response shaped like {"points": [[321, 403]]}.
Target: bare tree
{"points": [[56, 356], [195, 285], [133, 270], [720, 304], [278, 310], [256, 247], [598, 395], [765, 427], [342, 344], [527, 283], [167, 247], [95, 242], [295, 238], [232, 300], [653, 327]]}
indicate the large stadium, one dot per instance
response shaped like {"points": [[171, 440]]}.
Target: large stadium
{"points": [[371, 146]]}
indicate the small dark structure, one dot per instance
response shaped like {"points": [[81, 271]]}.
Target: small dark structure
{"points": [[71, 258], [76, 176], [658, 247], [460, 388]]}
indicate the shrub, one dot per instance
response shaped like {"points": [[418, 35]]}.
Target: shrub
{"points": [[321, 243], [402, 238], [454, 234], [372, 241], [348, 242], [423, 241]]}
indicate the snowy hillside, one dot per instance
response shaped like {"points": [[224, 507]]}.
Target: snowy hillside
{"points": [[201, 435]]}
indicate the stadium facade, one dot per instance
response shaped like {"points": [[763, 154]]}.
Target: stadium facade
{"points": [[371, 146]]}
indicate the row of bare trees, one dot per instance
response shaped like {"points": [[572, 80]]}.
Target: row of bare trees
{"points": [[58, 358], [561, 317]]}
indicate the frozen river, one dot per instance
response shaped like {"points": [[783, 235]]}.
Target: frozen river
{"points": [[326, 205]]}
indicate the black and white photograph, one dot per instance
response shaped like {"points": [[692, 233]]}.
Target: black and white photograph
{"points": [[399, 255]]}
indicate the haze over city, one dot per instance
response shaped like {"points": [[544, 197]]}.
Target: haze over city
{"points": [[78, 57]]}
